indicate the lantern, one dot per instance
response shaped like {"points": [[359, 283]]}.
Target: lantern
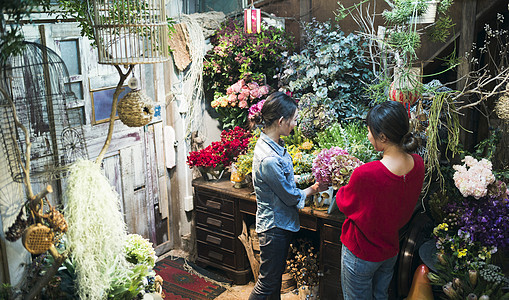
{"points": [[252, 20]]}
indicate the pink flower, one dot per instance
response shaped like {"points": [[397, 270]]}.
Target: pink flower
{"points": [[241, 97], [264, 90], [232, 98], [255, 94], [253, 85], [243, 104], [235, 88]]}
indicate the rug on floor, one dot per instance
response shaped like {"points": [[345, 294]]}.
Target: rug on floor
{"points": [[182, 284]]}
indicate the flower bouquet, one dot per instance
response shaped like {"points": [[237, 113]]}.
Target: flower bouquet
{"points": [[220, 154], [473, 231], [233, 107], [334, 166]]}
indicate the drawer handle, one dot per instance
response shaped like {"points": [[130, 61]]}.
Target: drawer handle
{"points": [[213, 204], [214, 222], [213, 239], [215, 255]]}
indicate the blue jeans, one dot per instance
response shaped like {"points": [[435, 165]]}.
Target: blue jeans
{"points": [[361, 279], [274, 244]]}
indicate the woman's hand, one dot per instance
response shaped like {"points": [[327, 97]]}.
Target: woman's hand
{"points": [[316, 188]]}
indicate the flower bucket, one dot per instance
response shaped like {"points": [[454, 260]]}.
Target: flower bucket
{"points": [[307, 292]]}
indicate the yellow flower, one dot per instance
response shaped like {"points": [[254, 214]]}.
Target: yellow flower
{"points": [[462, 253], [306, 145], [443, 226]]}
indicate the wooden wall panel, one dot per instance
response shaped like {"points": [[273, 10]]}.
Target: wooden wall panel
{"points": [[111, 167]]}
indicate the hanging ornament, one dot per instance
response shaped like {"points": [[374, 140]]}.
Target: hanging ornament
{"points": [[406, 87], [252, 19], [135, 109]]}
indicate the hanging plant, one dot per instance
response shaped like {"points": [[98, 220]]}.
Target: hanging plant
{"points": [[97, 232]]}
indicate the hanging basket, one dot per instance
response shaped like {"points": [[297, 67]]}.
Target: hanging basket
{"points": [[136, 109], [406, 86], [38, 238]]}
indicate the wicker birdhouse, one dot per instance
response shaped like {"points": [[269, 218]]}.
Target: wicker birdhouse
{"points": [[135, 109], [129, 32]]}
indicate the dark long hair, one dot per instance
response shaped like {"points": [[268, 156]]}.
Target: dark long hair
{"points": [[391, 119], [277, 105]]}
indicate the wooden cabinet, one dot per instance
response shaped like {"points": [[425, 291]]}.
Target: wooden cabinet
{"points": [[330, 260], [220, 210], [218, 224]]}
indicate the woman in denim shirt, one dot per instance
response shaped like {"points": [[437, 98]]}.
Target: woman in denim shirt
{"points": [[277, 197]]}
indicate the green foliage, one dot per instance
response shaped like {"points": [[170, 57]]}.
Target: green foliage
{"points": [[83, 13], [403, 10], [351, 137], [5, 291], [406, 41], [129, 285], [440, 30], [245, 162], [328, 76], [11, 14], [140, 251], [237, 55], [342, 12]]}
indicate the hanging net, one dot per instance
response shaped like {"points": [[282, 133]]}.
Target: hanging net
{"points": [[36, 83]]}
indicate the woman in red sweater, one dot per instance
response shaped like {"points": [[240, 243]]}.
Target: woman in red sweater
{"points": [[377, 202]]}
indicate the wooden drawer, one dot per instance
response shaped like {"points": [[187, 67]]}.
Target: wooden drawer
{"points": [[213, 238], [214, 204], [217, 255], [330, 283], [308, 222], [331, 234], [214, 221], [331, 254]]}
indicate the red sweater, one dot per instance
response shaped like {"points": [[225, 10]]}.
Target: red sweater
{"points": [[377, 204]]}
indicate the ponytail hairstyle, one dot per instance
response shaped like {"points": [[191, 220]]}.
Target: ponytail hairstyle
{"points": [[277, 105], [391, 119]]}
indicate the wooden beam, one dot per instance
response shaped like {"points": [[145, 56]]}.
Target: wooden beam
{"points": [[479, 15], [468, 18]]}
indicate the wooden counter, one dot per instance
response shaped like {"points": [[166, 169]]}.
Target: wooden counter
{"points": [[220, 210]]}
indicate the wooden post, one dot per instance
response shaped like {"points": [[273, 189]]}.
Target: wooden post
{"points": [[467, 37]]}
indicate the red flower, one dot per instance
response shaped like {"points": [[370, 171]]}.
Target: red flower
{"points": [[221, 153]]}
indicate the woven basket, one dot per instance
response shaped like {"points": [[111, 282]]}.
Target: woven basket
{"points": [[135, 109], [38, 238]]}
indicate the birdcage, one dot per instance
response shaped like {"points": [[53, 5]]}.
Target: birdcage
{"points": [[38, 96], [129, 32]]}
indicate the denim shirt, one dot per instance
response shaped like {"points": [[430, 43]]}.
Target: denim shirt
{"points": [[276, 193]]}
